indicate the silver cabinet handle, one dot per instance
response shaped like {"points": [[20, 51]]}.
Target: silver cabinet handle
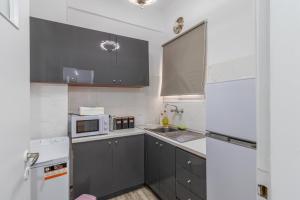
{"points": [[116, 141], [189, 162], [156, 143], [189, 181], [161, 145], [109, 142]]}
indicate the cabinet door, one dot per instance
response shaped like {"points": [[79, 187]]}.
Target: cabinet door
{"points": [[92, 168], [128, 162], [132, 62], [48, 42], [167, 171], [90, 56], [58, 51], [152, 163]]}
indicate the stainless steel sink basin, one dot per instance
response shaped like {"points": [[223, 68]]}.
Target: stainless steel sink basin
{"points": [[177, 135], [163, 130]]}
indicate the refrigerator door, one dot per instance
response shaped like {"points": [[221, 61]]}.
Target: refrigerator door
{"points": [[231, 108], [231, 171]]}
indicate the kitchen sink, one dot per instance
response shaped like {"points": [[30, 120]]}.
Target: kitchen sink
{"points": [[163, 130], [177, 135]]}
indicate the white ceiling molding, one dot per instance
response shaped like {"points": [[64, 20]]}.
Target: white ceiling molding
{"points": [[115, 19], [122, 11]]}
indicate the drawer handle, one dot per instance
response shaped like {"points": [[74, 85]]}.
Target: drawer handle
{"points": [[189, 162], [161, 145], [189, 181], [109, 142], [156, 143], [116, 141]]}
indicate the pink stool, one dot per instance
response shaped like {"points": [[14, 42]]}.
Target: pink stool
{"points": [[86, 197]]}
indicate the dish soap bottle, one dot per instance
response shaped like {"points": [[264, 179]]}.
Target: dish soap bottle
{"points": [[165, 120]]}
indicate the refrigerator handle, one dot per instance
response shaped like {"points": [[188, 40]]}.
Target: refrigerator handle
{"points": [[217, 136], [249, 145]]}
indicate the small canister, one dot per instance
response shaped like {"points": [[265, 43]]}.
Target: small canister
{"points": [[131, 122], [118, 123], [125, 122]]}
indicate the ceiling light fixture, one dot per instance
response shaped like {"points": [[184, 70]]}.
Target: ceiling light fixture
{"points": [[109, 45], [142, 3]]}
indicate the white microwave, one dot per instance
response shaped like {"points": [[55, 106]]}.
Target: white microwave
{"points": [[83, 126]]}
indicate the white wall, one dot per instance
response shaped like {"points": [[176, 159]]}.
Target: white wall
{"points": [[14, 101], [109, 16], [263, 94], [231, 47], [230, 44], [285, 98]]}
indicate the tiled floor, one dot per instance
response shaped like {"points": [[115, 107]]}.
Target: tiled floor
{"points": [[140, 194]]}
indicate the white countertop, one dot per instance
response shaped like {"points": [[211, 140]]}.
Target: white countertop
{"points": [[197, 147], [110, 135]]}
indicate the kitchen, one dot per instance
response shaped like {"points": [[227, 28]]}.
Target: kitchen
{"points": [[105, 109]]}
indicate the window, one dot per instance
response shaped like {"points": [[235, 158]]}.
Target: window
{"points": [[9, 10], [184, 63]]}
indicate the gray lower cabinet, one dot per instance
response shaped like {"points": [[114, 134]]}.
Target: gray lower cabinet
{"points": [[104, 167], [93, 168], [160, 168], [128, 162], [190, 176], [184, 194]]}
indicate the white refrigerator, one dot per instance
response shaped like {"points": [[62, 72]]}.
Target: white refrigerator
{"points": [[231, 140]]}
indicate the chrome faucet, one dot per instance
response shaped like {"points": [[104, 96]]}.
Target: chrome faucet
{"points": [[176, 110]]}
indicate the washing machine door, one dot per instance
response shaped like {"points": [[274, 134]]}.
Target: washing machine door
{"points": [[50, 180]]}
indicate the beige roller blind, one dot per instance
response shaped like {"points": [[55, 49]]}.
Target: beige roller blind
{"points": [[184, 63]]}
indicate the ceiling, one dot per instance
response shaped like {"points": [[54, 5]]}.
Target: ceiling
{"points": [[164, 4]]}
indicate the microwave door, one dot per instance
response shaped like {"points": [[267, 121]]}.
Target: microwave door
{"points": [[86, 126], [82, 127]]}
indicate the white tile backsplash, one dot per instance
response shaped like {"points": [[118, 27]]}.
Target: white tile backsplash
{"points": [[49, 110], [193, 116], [143, 103]]}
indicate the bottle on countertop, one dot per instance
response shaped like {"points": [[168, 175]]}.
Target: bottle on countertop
{"points": [[165, 119]]}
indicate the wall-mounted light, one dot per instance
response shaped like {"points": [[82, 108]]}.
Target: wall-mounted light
{"points": [[142, 3], [109, 45], [178, 26]]}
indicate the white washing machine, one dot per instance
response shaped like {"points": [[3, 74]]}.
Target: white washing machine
{"points": [[50, 174]]}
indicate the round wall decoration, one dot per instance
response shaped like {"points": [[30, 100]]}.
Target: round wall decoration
{"points": [[178, 26]]}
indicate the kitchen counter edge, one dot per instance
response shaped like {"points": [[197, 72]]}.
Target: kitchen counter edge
{"points": [[197, 147]]}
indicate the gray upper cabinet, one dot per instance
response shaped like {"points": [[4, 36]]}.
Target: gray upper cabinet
{"points": [[131, 57], [61, 53], [47, 50], [88, 56]]}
